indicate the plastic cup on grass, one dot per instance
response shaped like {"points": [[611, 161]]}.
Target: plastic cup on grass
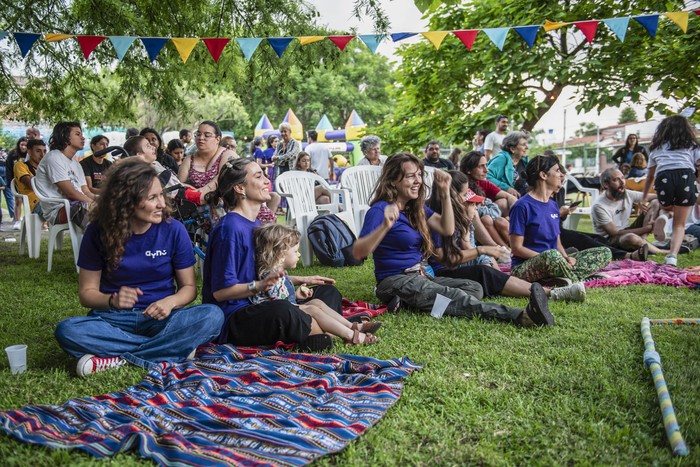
{"points": [[439, 306], [17, 354]]}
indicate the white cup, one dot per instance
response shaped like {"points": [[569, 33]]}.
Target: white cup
{"points": [[440, 305], [17, 354]]}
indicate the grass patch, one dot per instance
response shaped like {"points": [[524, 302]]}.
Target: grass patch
{"points": [[489, 393]]}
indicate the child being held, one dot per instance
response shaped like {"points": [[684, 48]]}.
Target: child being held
{"points": [[276, 250]]}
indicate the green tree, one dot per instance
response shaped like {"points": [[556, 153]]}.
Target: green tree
{"points": [[627, 115], [451, 92], [586, 129], [56, 83]]}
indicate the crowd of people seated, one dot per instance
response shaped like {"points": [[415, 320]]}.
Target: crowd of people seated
{"points": [[137, 264]]}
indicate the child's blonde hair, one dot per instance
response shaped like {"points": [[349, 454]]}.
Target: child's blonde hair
{"points": [[271, 243]]}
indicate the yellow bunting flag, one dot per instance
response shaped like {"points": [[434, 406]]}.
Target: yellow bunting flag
{"points": [[551, 25], [303, 40], [680, 18], [184, 46], [56, 37], [435, 37]]}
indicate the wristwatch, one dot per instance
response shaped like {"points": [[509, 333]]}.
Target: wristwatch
{"points": [[252, 287]]}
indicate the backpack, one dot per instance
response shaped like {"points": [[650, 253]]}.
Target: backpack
{"points": [[332, 240]]}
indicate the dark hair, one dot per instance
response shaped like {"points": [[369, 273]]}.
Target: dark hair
{"points": [[96, 139], [124, 187], [130, 132], [160, 140], [675, 131], [536, 166], [232, 173], [257, 141], [454, 156], [468, 163], [35, 142], [174, 144], [313, 134], [500, 117], [214, 125], [271, 138], [451, 249], [184, 132], [133, 145], [431, 143], [60, 137], [385, 190], [22, 139]]}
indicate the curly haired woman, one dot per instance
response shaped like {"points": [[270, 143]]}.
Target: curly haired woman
{"points": [[136, 275]]}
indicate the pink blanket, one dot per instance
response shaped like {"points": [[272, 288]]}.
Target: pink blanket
{"points": [[627, 271]]}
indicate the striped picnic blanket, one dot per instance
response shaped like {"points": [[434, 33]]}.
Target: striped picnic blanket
{"points": [[227, 407]]}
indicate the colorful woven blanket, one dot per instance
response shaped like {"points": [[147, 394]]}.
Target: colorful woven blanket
{"points": [[227, 407], [628, 272]]}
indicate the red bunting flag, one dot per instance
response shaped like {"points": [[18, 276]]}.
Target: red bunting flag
{"points": [[588, 28], [88, 44], [467, 37], [341, 41], [697, 12], [216, 46]]}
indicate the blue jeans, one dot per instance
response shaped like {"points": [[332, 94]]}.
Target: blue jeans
{"points": [[140, 340], [693, 230], [9, 197]]}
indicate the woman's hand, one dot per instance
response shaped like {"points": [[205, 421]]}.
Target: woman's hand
{"points": [[126, 298], [571, 260], [495, 252], [271, 279], [159, 310], [304, 293], [513, 192], [391, 215], [443, 181]]}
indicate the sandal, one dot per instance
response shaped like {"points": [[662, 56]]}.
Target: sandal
{"points": [[367, 326], [369, 338]]}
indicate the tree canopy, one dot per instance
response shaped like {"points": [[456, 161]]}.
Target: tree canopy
{"points": [[627, 115], [451, 92]]}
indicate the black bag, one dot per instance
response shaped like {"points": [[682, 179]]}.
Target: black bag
{"points": [[332, 241]]}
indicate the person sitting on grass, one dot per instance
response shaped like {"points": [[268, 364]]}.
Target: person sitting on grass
{"points": [[457, 255], [397, 230], [277, 250], [137, 277], [534, 231]]}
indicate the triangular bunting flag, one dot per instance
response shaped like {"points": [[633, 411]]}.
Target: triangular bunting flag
{"points": [[303, 40], [435, 37], [248, 45], [184, 46], [153, 46], [467, 37], [88, 44], [680, 18], [588, 28], [372, 41], [399, 36], [25, 41], [528, 33], [649, 22], [552, 25], [618, 26], [56, 37], [279, 44], [340, 41], [497, 36], [216, 46], [121, 45]]}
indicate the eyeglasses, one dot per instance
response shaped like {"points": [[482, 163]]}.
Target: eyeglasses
{"points": [[206, 135]]}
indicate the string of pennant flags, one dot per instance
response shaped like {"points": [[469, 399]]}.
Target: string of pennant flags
{"points": [[248, 45]]}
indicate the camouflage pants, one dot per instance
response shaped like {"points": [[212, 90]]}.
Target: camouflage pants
{"points": [[551, 263]]}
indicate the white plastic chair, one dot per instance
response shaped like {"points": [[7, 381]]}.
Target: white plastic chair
{"points": [[30, 234], [571, 222], [428, 179], [360, 181], [56, 230], [298, 188]]}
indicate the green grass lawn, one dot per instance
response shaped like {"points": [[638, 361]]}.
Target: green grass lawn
{"points": [[489, 393]]}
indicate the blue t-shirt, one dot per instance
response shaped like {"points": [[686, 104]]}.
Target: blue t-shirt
{"points": [[149, 261], [259, 154], [230, 260], [266, 155], [537, 222], [401, 246]]}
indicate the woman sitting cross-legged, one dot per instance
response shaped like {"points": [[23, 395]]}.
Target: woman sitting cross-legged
{"points": [[458, 256], [397, 230], [534, 231], [131, 258]]}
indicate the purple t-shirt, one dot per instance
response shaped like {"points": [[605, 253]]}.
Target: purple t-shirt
{"points": [[149, 261], [537, 222], [230, 260], [401, 246]]}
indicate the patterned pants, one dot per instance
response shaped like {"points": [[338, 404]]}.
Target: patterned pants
{"points": [[551, 263]]}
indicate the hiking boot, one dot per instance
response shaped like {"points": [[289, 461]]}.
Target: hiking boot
{"points": [[572, 293], [671, 260], [537, 309], [89, 364]]}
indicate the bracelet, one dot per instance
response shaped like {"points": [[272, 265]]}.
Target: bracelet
{"points": [[109, 303]]}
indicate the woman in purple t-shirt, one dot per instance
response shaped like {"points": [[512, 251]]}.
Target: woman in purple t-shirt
{"points": [[137, 276], [397, 231], [534, 231]]}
